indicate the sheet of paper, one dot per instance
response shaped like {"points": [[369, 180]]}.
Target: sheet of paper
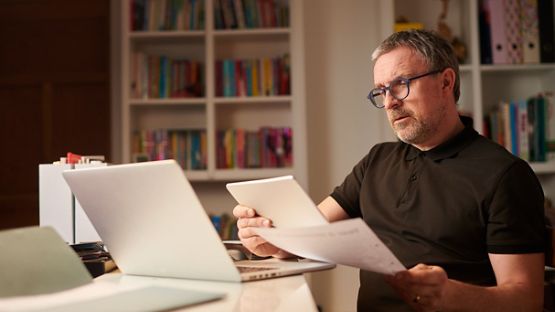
{"points": [[349, 242]]}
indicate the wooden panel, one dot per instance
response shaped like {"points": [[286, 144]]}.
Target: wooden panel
{"points": [[54, 91], [79, 115], [20, 134]]}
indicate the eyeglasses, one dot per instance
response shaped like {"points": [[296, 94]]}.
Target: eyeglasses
{"points": [[398, 88]]}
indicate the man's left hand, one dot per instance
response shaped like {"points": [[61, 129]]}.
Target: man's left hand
{"points": [[422, 286]]}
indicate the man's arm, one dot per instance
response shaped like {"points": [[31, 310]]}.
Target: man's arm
{"points": [[519, 287], [332, 210], [248, 219]]}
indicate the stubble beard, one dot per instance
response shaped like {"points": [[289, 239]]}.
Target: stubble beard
{"points": [[413, 130]]}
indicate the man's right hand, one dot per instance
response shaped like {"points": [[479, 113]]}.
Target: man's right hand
{"points": [[247, 220]]}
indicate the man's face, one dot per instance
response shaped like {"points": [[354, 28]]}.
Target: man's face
{"points": [[417, 118]]}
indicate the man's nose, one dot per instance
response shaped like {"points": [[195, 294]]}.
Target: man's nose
{"points": [[390, 101]]}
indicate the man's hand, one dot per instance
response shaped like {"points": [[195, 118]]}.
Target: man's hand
{"points": [[247, 220], [422, 287]]}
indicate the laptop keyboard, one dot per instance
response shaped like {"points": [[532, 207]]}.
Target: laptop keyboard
{"points": [[248, 269]]}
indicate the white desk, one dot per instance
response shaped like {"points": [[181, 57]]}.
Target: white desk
{"points": [[279, 294]]}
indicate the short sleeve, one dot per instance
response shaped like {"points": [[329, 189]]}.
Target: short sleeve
{"points": [[347, 194], [516, 214]]}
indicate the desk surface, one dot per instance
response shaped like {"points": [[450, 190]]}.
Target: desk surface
{"points": [[279, 294]]}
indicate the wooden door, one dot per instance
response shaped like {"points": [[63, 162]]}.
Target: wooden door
{"points": [[54, 93]]}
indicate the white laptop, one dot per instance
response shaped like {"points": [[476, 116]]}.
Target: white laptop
{"points": [[152, 222], [280, 199]]}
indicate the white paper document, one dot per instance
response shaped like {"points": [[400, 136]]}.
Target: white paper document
{"points": [[349, 242]]}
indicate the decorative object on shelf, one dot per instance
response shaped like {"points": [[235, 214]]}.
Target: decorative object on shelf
{"points": [[402, 23], [445, 31]]}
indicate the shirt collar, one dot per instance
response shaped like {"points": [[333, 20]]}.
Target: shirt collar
{"points": [[449, 148]]}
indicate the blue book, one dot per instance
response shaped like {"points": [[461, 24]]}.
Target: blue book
{"points": [[163, 82], [513, 113]]}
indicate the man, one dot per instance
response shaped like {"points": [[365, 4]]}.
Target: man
{"points": [[463, 214]]}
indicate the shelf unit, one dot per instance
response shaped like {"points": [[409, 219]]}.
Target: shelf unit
{"points": [[212, 112], [482, 86]]}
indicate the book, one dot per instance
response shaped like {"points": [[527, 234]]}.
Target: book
{"points": [[550, 125], [530, 31]]}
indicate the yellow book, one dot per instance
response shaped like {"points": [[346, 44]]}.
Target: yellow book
{"points": [[407, 26], [255, 69]]}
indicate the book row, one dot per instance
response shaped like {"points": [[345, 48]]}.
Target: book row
{"points": [[524, 127], [233, 14], [154, 76], [268, 147], [225, 225], [161, 15], [253, 77], [187, 147], [516, 31]]}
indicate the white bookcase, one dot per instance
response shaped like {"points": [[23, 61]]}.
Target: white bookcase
{"points": [[211, 112], [482, 86]]}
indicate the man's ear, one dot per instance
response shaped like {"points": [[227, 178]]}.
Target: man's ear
{"points": [[448, 79]]}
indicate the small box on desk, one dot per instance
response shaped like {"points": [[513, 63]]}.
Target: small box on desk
{"points": [[59, 208]]}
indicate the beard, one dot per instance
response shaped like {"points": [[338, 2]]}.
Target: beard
{"points": [[411, 130]]}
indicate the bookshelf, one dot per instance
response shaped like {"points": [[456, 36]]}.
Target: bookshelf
{"points": [[482, 86], [199, 41]]}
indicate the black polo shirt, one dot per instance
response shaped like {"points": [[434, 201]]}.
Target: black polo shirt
{"points": [[449, 206]]}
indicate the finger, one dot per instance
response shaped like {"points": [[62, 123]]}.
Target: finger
{"points": [[253, 222], [426, 275], [241, 211], [246, 233]]}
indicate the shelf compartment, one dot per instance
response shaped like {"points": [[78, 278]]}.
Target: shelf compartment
{"points": [[162, 36], [167, 101], [253, 99], [251, 33], [168, 117], [252, 115], [252, 46], [504, 68], [543, 167]]}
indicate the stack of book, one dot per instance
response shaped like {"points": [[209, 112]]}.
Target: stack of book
{"points": [[254, 77], [233, 14], [524, 127], [154, 76], [187, 147], [163, 15], [266, 148], [225, 225]]}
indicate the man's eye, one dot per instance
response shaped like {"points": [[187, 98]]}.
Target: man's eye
{"points": [[398, 82], [378, 92]]}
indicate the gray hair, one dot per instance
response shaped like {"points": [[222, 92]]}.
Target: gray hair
{"points": [[436, 51]]}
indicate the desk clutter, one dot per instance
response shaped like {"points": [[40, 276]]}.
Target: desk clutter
{"points": [[95, 257], [58, 207]]}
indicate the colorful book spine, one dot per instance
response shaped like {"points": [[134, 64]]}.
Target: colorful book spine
{"points": [[187, 147]]}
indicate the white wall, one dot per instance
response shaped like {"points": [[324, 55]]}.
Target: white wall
{"points": [[342, 125]]}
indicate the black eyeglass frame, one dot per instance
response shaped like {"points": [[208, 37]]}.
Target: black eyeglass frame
{"points": [[406, 81]]}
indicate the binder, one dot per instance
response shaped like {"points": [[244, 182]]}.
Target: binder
{"points": [[530, 31], [498, 38], [513, 32], [546, 32], [485, 32]]}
